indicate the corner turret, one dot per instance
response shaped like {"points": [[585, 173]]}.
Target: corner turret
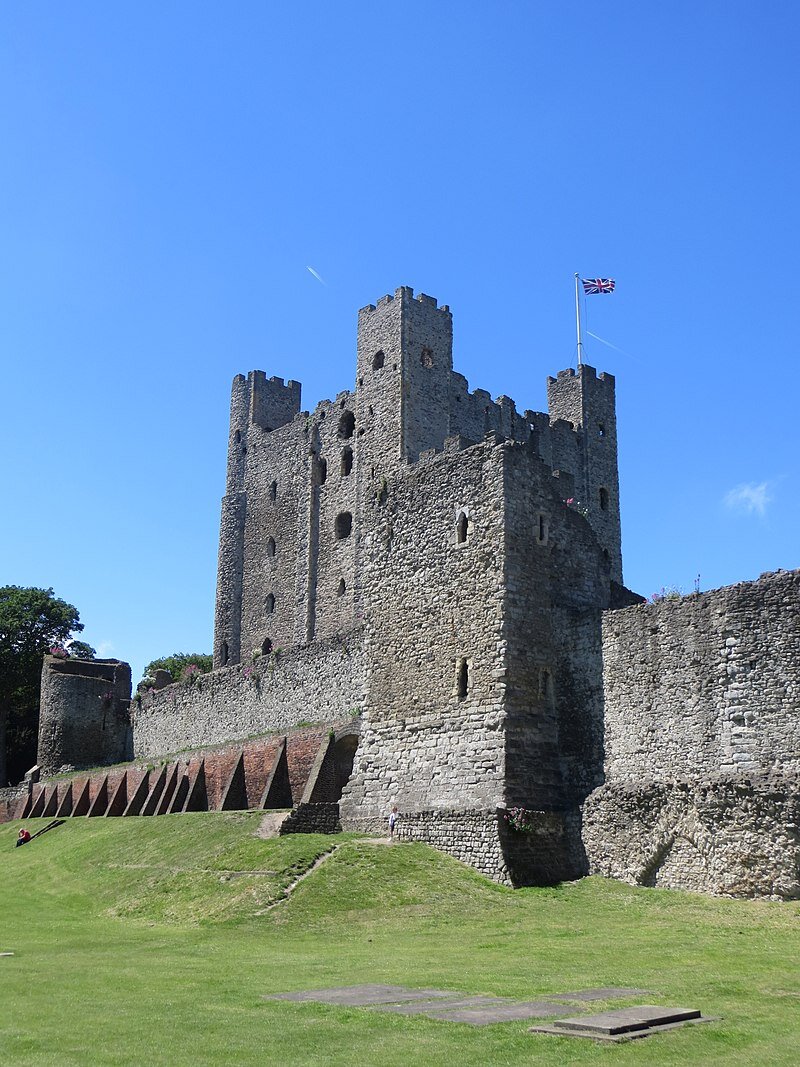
{"points": [[587, 400]]}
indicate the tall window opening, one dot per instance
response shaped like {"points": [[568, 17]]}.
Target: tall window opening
{"points": [[546, 685], [342, 587], [462, 528], [347, 461], [266, 646], [224, 653], [270, 547], [321, 468], [541, 529], [378, 360], [347, 424], [343, 525], [462, 678], [273, 492], [269, 604], [604, 500]]}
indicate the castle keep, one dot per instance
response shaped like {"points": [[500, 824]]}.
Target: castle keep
{"points": [[437, 577]]}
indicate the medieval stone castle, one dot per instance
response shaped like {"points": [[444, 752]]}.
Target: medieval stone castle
{"points": [[420, 602]]}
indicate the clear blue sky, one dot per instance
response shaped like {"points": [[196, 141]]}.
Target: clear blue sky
{"points": [[170, 170]]}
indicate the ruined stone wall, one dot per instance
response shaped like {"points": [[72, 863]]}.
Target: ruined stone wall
{"points": [[730, 835], [84, 714], [705, 684], [702, 742], [323, 682]]}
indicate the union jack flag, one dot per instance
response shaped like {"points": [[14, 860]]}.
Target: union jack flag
{"points": [[598, 285]]}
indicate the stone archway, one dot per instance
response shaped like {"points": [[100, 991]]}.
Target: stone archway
{"points": [[332, 768]]}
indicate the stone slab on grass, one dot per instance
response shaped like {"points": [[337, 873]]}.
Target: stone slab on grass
{"points": [[425, 1007], [501, 1012], [361, 996], [625, 1024], [603, 993]]}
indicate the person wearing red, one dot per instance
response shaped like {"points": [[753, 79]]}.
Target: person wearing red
{"points": [[23, 838]]}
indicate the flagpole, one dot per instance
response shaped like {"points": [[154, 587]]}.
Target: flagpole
{"points": [[578, 318]]}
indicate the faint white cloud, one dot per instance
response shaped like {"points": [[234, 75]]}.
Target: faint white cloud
{"points": [[105, 648], [751, 498]]}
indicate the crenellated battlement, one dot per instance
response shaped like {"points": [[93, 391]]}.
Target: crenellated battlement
{"points": [[404, 294], [273, 403]]}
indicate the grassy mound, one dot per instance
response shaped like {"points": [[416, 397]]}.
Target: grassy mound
{"points": [[153, 940]]}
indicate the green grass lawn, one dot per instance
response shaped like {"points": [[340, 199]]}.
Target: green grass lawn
{"points": [[140, 941]]}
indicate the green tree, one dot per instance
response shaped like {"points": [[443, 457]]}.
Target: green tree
{"points": [[80, 650], [177, 663], [32, 621]]}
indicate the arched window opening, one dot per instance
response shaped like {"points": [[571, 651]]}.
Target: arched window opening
{"points": [[224, 654], [462, 678], [462, 528], [347, 461], [343, 525], [378, 360], [426, 357], [270, 547], [266, 646], [269, 604], [604, 500], [347, 424], [273, 492], [342, 588]]}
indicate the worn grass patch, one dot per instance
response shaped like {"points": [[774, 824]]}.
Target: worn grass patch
{"points": [[148, 940]]}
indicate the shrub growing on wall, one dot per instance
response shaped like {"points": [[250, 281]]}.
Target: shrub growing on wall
{"points": [[177, 663]]}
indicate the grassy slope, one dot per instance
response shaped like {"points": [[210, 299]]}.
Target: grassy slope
{"points": [[137, 941]]}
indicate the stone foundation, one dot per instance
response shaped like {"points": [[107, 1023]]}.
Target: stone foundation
{"points": [[312, 819], [482, 839]]}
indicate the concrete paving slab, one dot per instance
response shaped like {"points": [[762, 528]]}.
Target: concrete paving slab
{"points": [[624, 1020], [603, 993], [359, 996], [497, 1013], [422, 1007], [627, 1024]]}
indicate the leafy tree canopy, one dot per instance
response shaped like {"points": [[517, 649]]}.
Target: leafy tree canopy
{"points": [[177, 663], [32, 621], [80, 650]]}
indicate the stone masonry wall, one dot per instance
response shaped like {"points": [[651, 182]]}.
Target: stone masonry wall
{"points": [[704, 685], [321, 683], [84, 716], [432, 729], [702, 740], [731, 835]]}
